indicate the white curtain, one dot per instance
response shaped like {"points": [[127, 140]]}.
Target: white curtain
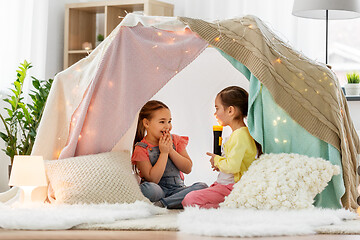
{"points": [[24, 26]]}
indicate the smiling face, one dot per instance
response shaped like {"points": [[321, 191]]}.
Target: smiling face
{"points": [[159, 123], [221, 113]]}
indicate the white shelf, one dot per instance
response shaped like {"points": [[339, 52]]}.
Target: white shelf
{"points": [[80, 51]]}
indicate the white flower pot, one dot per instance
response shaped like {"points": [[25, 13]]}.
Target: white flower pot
{"points": [[352, 89]]}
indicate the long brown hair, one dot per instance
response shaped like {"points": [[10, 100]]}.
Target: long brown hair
{"points": [[237, 97], [146, 112]]}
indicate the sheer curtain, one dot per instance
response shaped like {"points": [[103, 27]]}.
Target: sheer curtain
{"points": [[24, 36], [24, 25]]}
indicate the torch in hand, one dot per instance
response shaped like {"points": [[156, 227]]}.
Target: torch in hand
{"points": [[217, 139]]}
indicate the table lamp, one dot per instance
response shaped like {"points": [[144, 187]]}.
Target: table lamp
{"points": [[28, 172], [328, 10]]}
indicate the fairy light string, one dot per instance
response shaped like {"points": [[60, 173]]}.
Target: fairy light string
{"points": [[159, 39], [272, 42], [316, 83]]}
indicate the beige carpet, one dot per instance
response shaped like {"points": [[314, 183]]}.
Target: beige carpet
{"points": [[347, 227], [169, 222], [164, 222]]}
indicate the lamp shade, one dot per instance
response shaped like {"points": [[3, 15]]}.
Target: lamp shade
{"points": [[28, 171], [337, 9]]}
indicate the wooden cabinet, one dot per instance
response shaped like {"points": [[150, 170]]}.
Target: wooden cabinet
{"points": [[82, 22]]}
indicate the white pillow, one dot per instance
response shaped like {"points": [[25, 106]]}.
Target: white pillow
{"points": [[98, 178], [281, 181]]}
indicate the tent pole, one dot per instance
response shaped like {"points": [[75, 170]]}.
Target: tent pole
{"points": [[326, 45]]}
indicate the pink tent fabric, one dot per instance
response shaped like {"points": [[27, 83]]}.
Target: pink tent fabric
{"points": [[118, 91]]}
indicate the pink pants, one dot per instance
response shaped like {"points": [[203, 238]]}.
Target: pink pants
{"points": [[209, 197]]}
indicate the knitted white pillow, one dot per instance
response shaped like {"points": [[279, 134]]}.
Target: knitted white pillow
{"points": [[99, 178], [281, 181]]}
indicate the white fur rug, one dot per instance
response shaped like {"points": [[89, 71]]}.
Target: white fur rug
{"points": [[55, 217], [212, 222], [242, 223], [255, 223]]}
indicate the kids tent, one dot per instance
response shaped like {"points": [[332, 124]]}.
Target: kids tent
{"points": [[295, 104]]}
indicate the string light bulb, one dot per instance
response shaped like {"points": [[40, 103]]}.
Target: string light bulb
{"points": [[274, 123]]}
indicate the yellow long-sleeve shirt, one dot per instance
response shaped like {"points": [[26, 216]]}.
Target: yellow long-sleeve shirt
{"points": [[240, 151]]}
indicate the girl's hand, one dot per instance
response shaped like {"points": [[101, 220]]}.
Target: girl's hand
{"points": [[167, 133], [212, 161], [165, 143]]}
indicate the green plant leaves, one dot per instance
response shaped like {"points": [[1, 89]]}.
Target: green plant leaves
{"points": [[36, 83], [100, 37], [23, 119], [353, 77]]}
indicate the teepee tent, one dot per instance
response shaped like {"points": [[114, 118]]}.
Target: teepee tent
{"points": [[295, 104]]}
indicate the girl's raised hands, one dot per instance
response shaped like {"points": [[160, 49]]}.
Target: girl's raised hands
{"points": [[171, 141], [165, 143]]}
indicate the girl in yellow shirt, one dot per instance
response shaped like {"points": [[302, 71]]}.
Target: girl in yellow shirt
{"points": [[240, 150]]}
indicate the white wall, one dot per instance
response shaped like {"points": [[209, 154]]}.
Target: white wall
{"points": [[55, 38]]}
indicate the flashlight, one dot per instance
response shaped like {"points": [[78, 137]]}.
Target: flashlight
{"points": [[217, 139]]}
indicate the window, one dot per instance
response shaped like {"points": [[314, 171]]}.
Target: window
{"points": [[344, 47]]}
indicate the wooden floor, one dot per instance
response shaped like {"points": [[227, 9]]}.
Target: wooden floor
{"points": [[144, 235]]}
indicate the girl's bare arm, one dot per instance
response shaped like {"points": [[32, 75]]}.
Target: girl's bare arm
{"points": [[181, 160]]}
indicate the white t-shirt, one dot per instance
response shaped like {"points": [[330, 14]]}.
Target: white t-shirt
{"points": [[225, 178]]}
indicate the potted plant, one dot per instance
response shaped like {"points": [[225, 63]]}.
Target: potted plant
{"points": [[22, 118], [353, 86], [99, 39]]}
